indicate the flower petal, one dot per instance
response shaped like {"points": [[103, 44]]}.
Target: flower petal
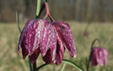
{"points": [[43, 44], [24, 50], [23, 33], [52, 39], [100, 56], [47, 58], [65, 34], [93, 57], [34, 56], [60, 51], [34, 35], [30, 38], [105, 56], [48, 39]]}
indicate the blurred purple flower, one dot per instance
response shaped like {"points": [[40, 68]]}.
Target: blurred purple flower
{"points": [[40, 36], [99, 56], [85, 33]]}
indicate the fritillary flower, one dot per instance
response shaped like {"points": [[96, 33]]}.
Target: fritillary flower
{"points": [[99, 56], [49, 39]]}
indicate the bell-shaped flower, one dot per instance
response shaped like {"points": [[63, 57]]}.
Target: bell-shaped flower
{"points": [[38, 36], [49, 39], [98, 56], [65, 40]]}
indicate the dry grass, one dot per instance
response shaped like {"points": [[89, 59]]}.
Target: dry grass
{"points": [[11, 61]]}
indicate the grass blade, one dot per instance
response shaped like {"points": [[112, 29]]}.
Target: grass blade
{"points": [[18, 22], [102, 36], [63, 67], [41, 67], [72, 64]]}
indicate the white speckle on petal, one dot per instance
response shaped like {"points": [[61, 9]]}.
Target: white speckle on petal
{"points": [[38, 33]]}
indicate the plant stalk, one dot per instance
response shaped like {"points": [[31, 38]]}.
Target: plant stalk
{"points": [[38, 7], [91, 50], [34, 66]]}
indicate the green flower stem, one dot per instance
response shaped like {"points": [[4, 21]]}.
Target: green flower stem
{"points": [[65, 61], [38, 7], [42, 8], [72, 64], [21, 32], [37, 69], [34, 66], [94, 43], [30, 65], [87, 63]]}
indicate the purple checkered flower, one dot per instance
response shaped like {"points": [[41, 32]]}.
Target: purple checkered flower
{"points": [[99, 56], [49, 39]]}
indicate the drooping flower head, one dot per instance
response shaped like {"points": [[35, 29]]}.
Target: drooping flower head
{"points": [[99, 56], [65, 40], [38, 36], [49, 39]]}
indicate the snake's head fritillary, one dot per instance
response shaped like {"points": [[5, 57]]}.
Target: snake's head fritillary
{"points": [[65, 40], [38, 36], [49, 39], [98, 56]]}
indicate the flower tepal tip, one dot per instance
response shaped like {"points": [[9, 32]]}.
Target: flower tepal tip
{"points": [[64, 32]]}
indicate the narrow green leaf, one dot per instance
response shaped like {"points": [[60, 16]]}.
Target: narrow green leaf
{"points": [[37, 69], [63, 67], [18, 22], [73, 64]]}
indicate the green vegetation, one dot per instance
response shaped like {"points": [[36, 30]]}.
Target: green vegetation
{"points": [[11, 61]]}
